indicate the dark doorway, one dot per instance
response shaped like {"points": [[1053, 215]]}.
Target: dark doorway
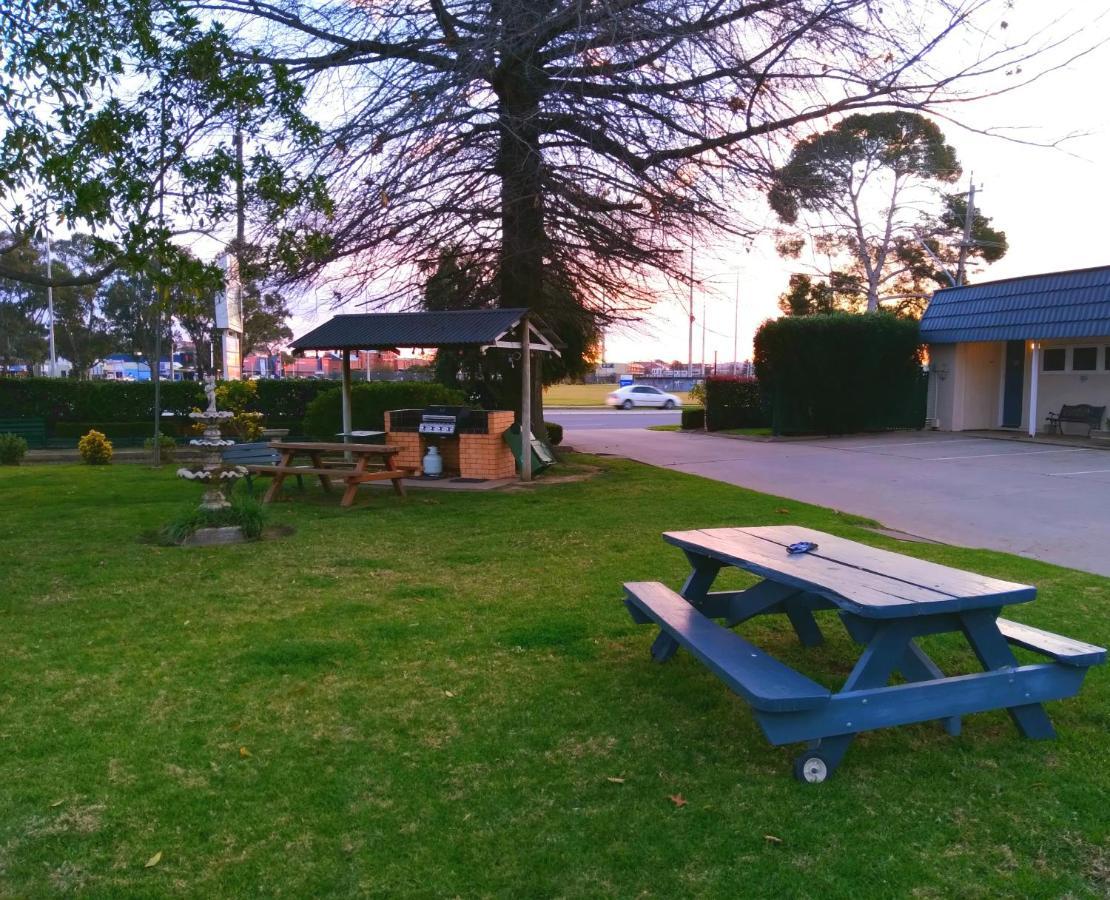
{"points": [[1014, 384]]}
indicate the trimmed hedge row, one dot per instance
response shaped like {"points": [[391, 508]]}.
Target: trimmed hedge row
{"points": [[369, 403], [841, 373], [693, 419], [733, 401], [62, 400]]}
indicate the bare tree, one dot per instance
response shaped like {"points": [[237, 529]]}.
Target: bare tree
{"points": [[574, 145]]}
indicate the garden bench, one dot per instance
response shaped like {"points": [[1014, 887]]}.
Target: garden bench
{"points": [[33, 431], [886, 601], [1078, 414], [252, 456]]}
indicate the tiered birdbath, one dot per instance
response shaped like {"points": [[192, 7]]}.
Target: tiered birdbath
{"points": [[214, 473]]}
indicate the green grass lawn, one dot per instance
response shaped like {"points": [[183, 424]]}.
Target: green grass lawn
{"points": [[443, 696], [586, 394]]}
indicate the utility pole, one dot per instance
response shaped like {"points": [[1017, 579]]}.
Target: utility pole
{"points": [[690, 337], [704, 316], [965, 244]]}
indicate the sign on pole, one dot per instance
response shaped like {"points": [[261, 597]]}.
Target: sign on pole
{"points": [[229, 303]]}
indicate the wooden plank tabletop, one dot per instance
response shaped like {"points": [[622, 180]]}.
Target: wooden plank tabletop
{"points": [[865, 580], [334, 447]]}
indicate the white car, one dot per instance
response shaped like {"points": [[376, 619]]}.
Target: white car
{"points": [[633, 395]]}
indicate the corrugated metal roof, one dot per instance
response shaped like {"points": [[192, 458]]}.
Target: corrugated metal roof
{"points": [[381, 331], [1036, 307]]}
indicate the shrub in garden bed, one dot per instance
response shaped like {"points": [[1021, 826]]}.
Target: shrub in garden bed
{"points": [[95, 449], [734, 402], [245, 512], [168, 445], [12, 449], [554, 433], [693, 419]]}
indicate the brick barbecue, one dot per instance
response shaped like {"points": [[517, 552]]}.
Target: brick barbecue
{"points": [[475, 449]]}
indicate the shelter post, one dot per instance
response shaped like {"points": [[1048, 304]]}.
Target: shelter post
{"points": [[1034, 375], [525, 401], [346, 396]]}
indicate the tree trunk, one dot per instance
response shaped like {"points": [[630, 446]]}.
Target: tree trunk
{"points": [[523, 234]]}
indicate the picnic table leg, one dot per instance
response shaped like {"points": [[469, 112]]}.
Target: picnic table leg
{"points": [[805, 625], [391, 465], [353, 481], [994, 652], [703, 572], [279, 478], [881, 657], [914, 666], [317, 463]]}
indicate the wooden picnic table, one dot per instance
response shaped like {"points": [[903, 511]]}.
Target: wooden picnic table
{"points": [[353, 468], [886, 601]]}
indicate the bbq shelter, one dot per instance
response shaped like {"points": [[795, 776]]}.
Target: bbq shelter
{"points": [[485, 329]]}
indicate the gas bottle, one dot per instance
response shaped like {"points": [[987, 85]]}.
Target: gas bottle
{"points": [[433, 463]]}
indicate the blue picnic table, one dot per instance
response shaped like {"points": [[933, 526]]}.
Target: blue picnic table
{"points": [[886, 601]]}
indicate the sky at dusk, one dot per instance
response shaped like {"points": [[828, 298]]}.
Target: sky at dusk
{"points": [[1051, 202]]}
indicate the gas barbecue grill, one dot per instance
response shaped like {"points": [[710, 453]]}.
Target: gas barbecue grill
{"points": [[443, 420]]}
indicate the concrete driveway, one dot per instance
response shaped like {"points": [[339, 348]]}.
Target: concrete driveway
{"points": [[1048, 503]]}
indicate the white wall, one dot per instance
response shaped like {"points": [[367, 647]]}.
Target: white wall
{"points": [[966, 384], [1054, 389]]}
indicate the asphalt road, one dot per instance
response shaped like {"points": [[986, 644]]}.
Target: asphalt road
{"points": [[575, 420], [1045, 502]]}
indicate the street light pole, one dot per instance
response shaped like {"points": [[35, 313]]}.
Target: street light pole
{"points": [[736, 328], [690, 338], [50, 299]]}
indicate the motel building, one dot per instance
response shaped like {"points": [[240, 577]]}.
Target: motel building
{"points": [[1011, 354]]}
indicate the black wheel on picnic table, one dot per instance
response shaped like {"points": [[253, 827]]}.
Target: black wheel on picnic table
{"points": [[811, 768]]}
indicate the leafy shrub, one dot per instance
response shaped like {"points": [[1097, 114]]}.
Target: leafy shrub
{"points": [[244, 426], [12, 449], [697, 393], [95, 449], [734, 402], [167, 443], [245, 511], [369, 403], [554, 433], [237, 396], [693, 419], [841, 373]]}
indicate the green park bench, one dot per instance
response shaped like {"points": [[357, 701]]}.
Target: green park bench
{"points": [[33, 431]]}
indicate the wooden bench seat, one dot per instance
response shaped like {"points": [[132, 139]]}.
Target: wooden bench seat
{"points": [[1065, 650], [332, 472], [762, 680]]}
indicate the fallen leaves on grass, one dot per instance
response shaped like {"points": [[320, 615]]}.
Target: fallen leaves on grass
{"points": [[677, 799], [153, 861], [771, 839], [244, 753], [614, 780], [58, 802]]}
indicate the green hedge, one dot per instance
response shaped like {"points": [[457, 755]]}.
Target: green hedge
{"points": [[63, 400], [369, 403], [841, 373], [693, 418], [286, 400], [734, 402]]}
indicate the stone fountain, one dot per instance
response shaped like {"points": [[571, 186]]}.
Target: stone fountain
{"points": [[213, 472]]}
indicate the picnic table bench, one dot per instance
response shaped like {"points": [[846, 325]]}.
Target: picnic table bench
{"points": [[885, 601], [1077, 414], [353, 470]]}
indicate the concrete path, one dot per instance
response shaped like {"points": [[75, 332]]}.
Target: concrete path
{"points": [[1047, 503], [594, 417]]}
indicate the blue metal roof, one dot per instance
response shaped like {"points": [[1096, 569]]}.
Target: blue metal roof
{"points": [[1036, 307]]}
